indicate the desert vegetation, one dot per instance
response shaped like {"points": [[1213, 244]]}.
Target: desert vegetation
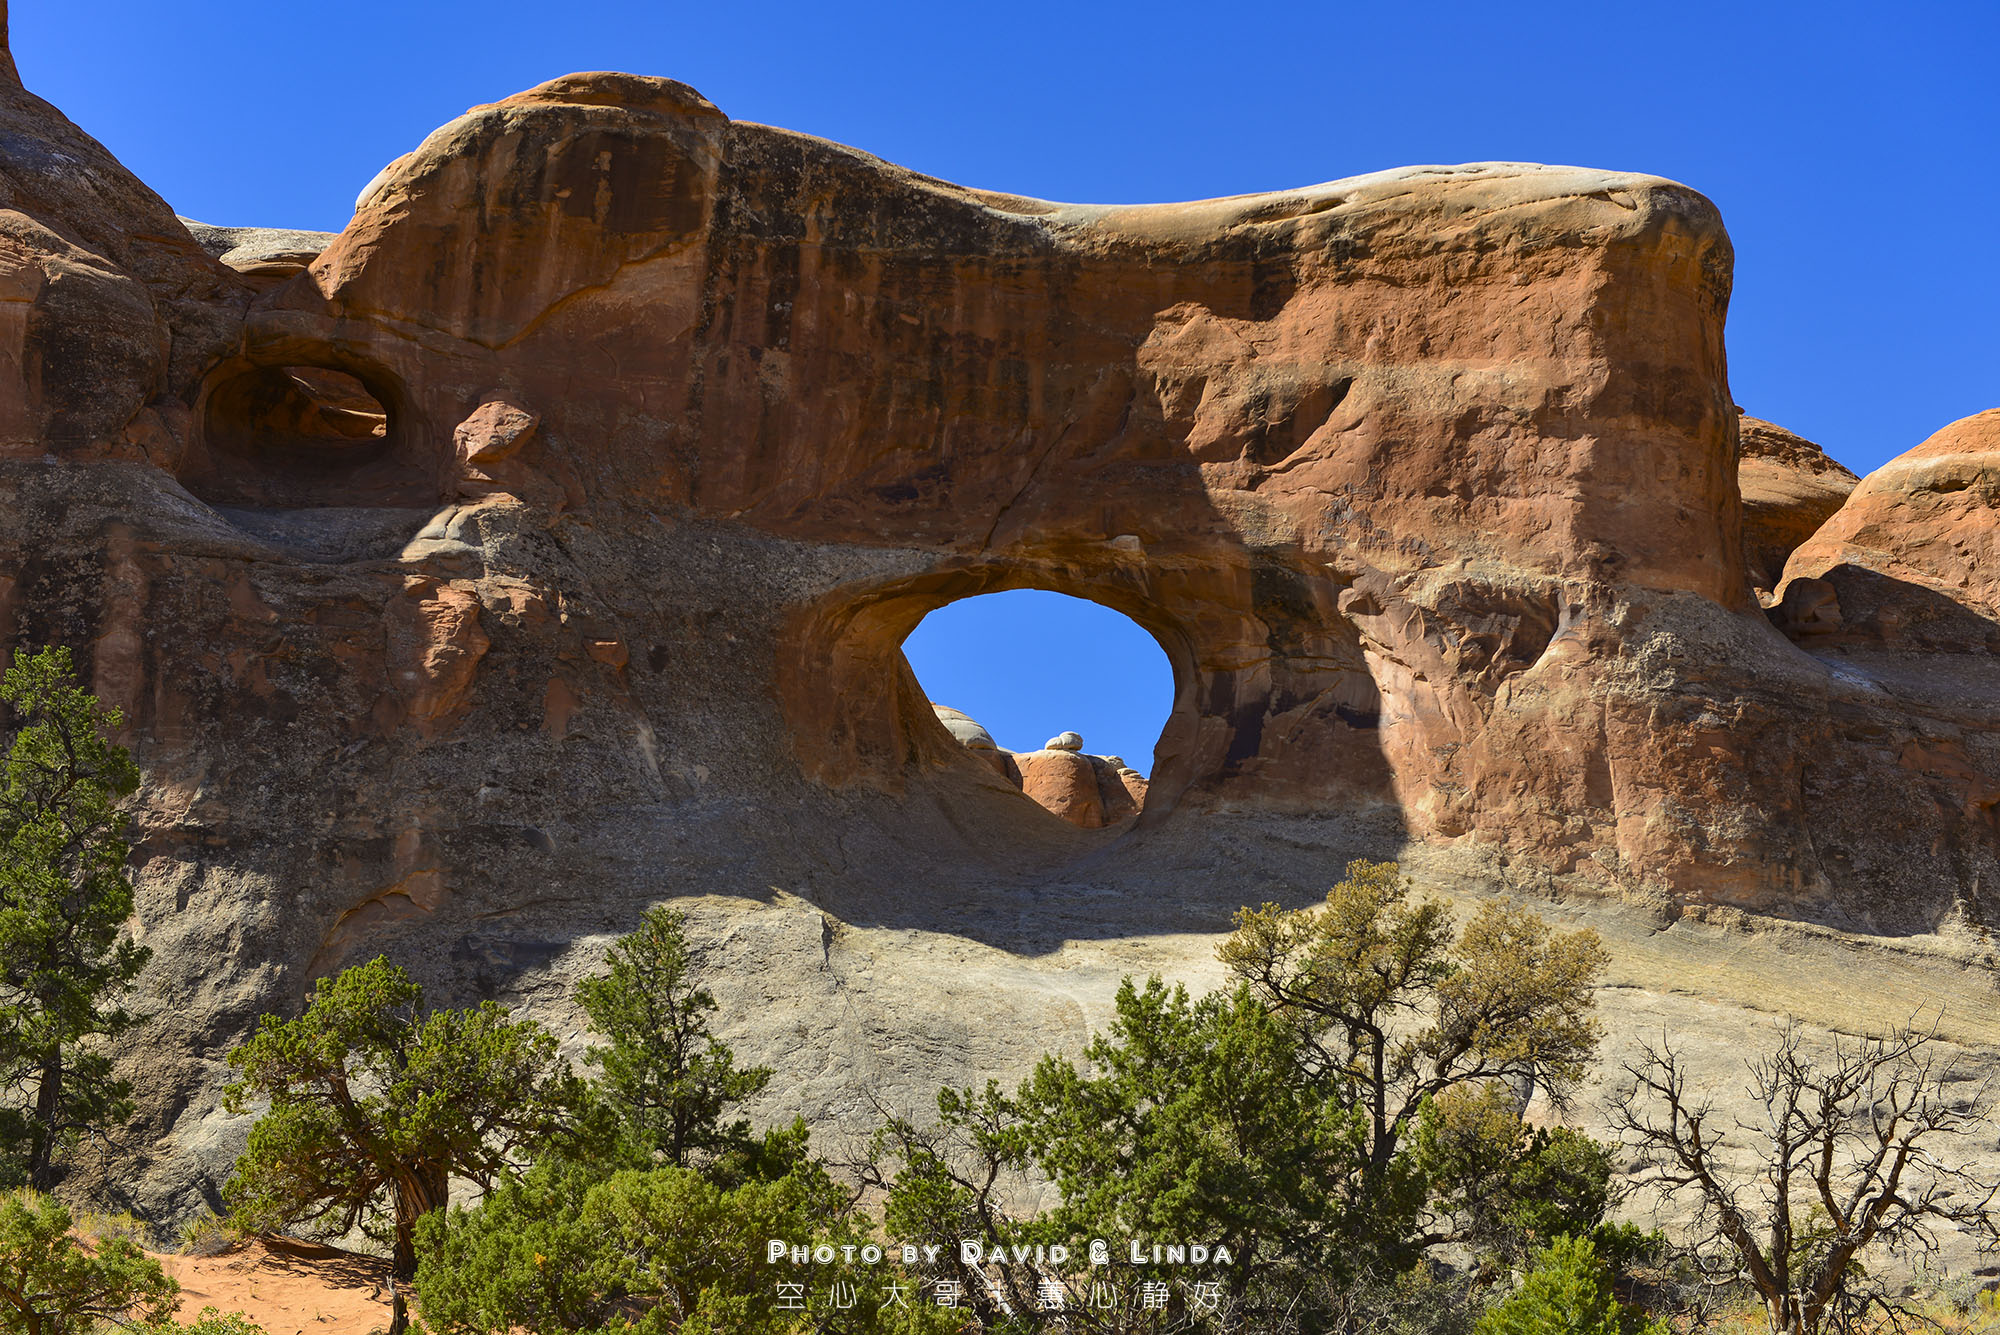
{"points": [[1333, 1142]]}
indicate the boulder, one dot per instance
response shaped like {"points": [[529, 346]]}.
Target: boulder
{"points": [[265, 256], [965, 729]]}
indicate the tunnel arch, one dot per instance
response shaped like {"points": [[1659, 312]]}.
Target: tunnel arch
{"points": [[1275, 699], [306, 427], [859, 714], [1006, 670]]}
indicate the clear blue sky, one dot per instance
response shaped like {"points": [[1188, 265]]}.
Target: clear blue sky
{"points": [[1852, 148]]}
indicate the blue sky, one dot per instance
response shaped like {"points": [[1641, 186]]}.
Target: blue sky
{"points": [[1850, 147]]}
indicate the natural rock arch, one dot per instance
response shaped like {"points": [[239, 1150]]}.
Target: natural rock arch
{"points": [[1426, 480], [857, 714]]}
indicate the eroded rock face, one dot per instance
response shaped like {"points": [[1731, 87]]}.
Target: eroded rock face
{"points": [[1790, 487], [1912, 560], [1426, 482]]}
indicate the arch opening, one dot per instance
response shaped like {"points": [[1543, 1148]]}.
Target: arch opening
{"points": [[1063, 697], [302, 436], [859, 717]]}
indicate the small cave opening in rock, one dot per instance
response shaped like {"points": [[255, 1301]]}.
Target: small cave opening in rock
{"points": [[302, 437], [1065, 698]]}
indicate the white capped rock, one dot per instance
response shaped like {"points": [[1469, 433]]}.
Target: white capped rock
{"points": [[967, 730]]}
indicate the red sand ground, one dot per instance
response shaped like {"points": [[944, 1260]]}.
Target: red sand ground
{"points": [[288, 1288]]}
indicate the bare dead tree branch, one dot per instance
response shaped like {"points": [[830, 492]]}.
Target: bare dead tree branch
{"points": [[1853, 1154]]}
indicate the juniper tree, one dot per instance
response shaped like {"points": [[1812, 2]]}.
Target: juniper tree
{"points": [[64, 899], [1345, 1107], [661, 1214], [376, 1106], [1394, 1006], [665, 1079], [53, 1282], [1504, 1189], [1187, 1121]]}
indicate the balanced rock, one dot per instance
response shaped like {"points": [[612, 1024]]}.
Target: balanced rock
{"points": [[1089, 792]]}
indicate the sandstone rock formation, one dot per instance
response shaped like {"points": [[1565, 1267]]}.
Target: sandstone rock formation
{"points": [[1790, 487], [965, 730], [266, 256], [544, 548], [1912, 560], [1089, 792], [1065, 783]]}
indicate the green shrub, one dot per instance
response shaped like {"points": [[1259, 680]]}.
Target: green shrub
{"points": [[210, 1322], [667, 1250], [1567, 1293], [53, 1283]]}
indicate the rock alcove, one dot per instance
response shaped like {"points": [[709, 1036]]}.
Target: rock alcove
{"points": [[302, 436]]}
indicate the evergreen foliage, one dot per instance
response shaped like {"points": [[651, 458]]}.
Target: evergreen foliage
{"points": [[53, 1282], [1567, 1293], [376, 1106], [1338, 1114], [64, 900], [664, 1078], [660, 1216], [1512, 1189], [666, 1249], [1394, 1008]]}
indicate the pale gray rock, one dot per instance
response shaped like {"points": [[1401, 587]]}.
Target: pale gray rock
{"points": [[271, 254], [968, 732]]}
